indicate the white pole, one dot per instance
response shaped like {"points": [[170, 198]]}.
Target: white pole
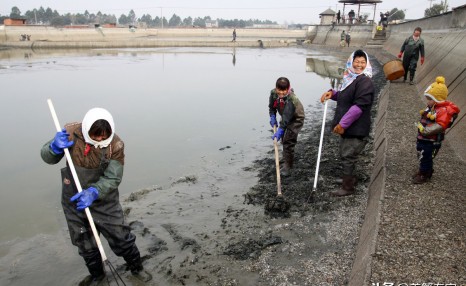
{"points": [[320, 147], [78, 184]]}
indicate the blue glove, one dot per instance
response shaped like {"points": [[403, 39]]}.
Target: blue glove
{"points": [[273, 120], [278, 134], [85, 198], [60, 142]]}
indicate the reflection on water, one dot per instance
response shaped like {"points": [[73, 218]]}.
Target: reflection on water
{"points": [[234, 56], [331, 69], [174, 108]]}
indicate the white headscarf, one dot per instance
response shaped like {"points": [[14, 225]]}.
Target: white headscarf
{"points": [[92, 116], [349, 75]]}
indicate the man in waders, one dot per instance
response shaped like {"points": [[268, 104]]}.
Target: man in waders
{"points": [[283, 100], [410, 50], [98, 156]]}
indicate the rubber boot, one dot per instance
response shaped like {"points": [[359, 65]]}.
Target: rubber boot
{"points": [[422, 177], [136, 268], [347, 187], [285, 170], [429, 174], [96, 271], [90, 281], [411, 77]]}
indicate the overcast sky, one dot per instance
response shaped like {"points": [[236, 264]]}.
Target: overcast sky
{"points": [[282, 11]]}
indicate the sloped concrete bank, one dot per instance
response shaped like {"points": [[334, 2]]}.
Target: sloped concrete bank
{"points": [[415, 233], [411, 233]]}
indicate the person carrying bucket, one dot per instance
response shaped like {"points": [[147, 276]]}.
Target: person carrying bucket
{"points": [[410, 50], [98, 156], [283, 100], [352, 119]]}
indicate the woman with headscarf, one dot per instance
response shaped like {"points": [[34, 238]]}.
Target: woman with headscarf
{"points": [[98, 156], [352, 120]]}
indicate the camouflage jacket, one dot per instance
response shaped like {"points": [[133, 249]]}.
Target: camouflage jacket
{"points": [[110, 159], [290, 109]]}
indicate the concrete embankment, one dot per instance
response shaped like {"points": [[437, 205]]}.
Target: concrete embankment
{"points": [[409, 229], [396, 209], [445, 55]]}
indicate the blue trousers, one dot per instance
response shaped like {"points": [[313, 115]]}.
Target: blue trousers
{"points": [[426, 152]]}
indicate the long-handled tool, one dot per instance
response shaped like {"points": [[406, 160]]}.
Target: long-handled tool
{"points": [[314, 188], [277, 206], [277, 164], [88, 212]]}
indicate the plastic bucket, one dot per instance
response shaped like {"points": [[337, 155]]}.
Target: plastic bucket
{"points": [[393, 70]]}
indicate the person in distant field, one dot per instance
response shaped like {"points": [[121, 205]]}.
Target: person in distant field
{"points": [[436, 118], [338, 17], [352, 119], [384, 20], [283, 100], [98, 157], [351, 16], [348, 38], [343, 38], [410, 50], [234, 35]]}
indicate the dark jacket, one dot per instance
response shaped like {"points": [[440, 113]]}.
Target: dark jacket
{"points": [[361, 93], [290, 109], [412, 48]]}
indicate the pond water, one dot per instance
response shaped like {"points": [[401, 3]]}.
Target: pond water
{"points": [[175, 109]]}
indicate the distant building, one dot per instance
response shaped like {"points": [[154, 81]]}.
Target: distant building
{"points": [[14, 22], [211, 24], [327, 17]]}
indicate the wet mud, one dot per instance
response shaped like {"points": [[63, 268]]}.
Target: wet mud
{"points": [[248, 244], [216, 227], [301, 238]]}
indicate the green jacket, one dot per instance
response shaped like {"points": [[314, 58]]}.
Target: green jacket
{"points": [[412, 48], [290, 109], [113, 157]]}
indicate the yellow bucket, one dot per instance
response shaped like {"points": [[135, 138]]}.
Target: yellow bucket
{"points": [[393, 69]]}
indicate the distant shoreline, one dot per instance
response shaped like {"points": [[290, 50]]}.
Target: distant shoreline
{"points": [[51, 37]]}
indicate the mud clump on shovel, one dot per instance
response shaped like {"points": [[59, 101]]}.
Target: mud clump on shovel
{"points": [[277, 207]]}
